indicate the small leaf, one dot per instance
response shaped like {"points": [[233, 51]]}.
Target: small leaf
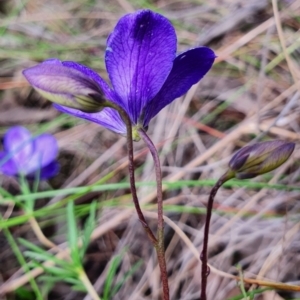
{"points": [[43, 257], [31, 246], [59, 272], [73, 234], [113, 266], [127, 275], [88, 228]]}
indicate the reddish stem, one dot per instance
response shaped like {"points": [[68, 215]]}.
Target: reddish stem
{"points": [[205, 269], [160, 249], [140, 214]]}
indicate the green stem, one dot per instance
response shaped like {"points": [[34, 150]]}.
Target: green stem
{"points": [[160, 249]]}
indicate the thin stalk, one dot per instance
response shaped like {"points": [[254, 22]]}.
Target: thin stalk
{"points": [[88, 285], [158, 242], [140, 214], [28, 207], [40, 235], [205, 269], [160, 249]]}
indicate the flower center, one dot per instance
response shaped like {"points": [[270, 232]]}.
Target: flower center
{"points": [[135, 134]]}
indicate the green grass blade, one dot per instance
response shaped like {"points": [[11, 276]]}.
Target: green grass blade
{"points": [[88, 228], [73, 234], [114, 264], [22, 261], [127, 275]]}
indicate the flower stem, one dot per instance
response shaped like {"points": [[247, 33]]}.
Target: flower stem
{"points": [[205, 269], [160, 249], [158, 242], [140, 214]]}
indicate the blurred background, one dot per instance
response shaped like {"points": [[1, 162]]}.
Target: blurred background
{"points": [[251, 93]]}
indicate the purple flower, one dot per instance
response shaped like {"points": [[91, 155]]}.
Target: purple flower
{"points": [[145, 73], [27, 155]]}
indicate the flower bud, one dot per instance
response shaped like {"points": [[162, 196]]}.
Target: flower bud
{"points": [[65, 86], [260, 158]]}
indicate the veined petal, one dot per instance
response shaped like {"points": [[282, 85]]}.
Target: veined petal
{"points": [[18, 144], [108, 118], [66, 85], [139, 56], [188, 68], [108, 92]]}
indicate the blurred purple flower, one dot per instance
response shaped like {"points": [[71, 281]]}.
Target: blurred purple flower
{"points": [[145, 73], [27, 155]]}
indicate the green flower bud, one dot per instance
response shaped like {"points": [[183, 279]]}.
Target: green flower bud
{"points": [[260, 158]]}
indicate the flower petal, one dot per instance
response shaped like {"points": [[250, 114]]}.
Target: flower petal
{"points": [[44, 152], [108, 118], [188, 68], [18, 144], [50, 171], [66, 85], [108, 92], [7, 166], [45, 145], [47, 172], [139, 56]]}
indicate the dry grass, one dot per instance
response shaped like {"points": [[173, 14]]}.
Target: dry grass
{"points": [[252, 93]]}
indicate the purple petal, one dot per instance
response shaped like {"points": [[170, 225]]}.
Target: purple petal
{"points": [[47, 172], [108, 118], [139, 56], [26, 154], [7, 166], [44, 152], [109, 94], [189, 67], [65, 85], [50, 171], [18, 144], [53, 76], [46, 148]]}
